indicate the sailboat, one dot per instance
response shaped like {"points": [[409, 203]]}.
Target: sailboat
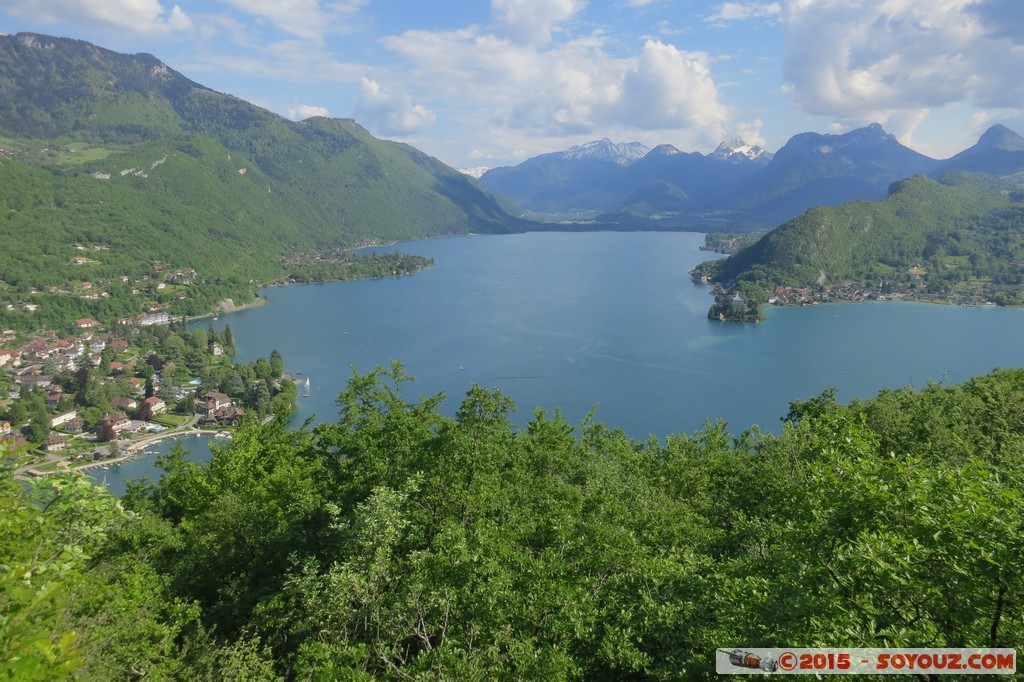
{"points": [[306, 394]]}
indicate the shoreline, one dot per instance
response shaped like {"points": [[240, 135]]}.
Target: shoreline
{"points": [[257, 302], [133, 450]]}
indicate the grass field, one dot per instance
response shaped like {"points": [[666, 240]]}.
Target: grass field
{"points": [[171, 420]]}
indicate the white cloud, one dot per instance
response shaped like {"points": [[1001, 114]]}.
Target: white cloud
{"points": [[869, 60], [306, 19], [532, 21], [743, 11], [304, 111], [140, 16], [578, 87], [750, 132], [669, 88], [390, 113]]}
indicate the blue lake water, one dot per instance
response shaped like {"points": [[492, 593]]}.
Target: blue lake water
{"points": [[574, 320], [116, 476]]}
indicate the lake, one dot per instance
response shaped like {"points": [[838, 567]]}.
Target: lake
{"points": [[574, 320]]}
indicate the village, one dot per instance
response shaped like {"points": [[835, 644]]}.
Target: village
{"points": [[95, 395]]}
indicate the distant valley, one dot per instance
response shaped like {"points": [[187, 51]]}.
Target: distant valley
{"points": [[737, 187]]}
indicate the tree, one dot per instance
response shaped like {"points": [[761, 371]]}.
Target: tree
{"points": [[39, 426], [276, 364]]}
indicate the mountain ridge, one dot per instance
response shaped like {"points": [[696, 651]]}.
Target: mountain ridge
{"points": [[738, 186], [240, 195]]}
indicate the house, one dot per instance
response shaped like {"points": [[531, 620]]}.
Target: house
{"points": [[53, 398], [10, 357], [217, 408], [60, 363], [55, 443], [62, 418], [218, 349], [125, 404], [213, 401], [217, 400], [152, 406], [5, 428], [111, 426], [119, 345], [86, 323], [37, 381], [229, 415]]}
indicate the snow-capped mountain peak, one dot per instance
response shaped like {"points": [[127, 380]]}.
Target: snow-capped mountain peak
{"points": [[606, 150], [730, 148], [473, 172]]}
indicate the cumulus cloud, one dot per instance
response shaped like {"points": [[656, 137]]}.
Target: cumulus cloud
{"points": [[729, 12], [574, 88], [532, 21], [390, 113], [872, 59], [306, 111], [750, 132], [669, 88], [140, 16]]}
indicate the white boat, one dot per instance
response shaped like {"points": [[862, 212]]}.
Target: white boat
{"points": [[306, 394]]}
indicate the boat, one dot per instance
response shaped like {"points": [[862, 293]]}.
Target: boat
{"points": [[306, 394]]}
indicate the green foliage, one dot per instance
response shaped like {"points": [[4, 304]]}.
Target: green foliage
{"points": [[944, 241], [400, 543], [180, 174]]}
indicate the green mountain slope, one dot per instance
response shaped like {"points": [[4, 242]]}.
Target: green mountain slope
{"points": [[928, 240], [121, 153], [61, 90]]}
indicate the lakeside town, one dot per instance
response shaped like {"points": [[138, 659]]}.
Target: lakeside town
{"points": [[912, 285], [94, 395]]}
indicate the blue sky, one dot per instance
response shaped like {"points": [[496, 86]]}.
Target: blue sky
{"points": [[478, 83]]}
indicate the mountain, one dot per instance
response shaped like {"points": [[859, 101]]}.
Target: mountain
{"points": [[623, 184], [999, 151], [813, 169], [952, 241], [736, 150], [737, 186], [582, 179], [603, 150], [63, 90], [111, 164]]}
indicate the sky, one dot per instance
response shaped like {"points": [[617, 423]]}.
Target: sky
{"points": [[484, 84]]}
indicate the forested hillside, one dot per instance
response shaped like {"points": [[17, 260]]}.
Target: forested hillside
{"points": [[398, 543], [70, 91], [124, 159], [959, 240]]}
